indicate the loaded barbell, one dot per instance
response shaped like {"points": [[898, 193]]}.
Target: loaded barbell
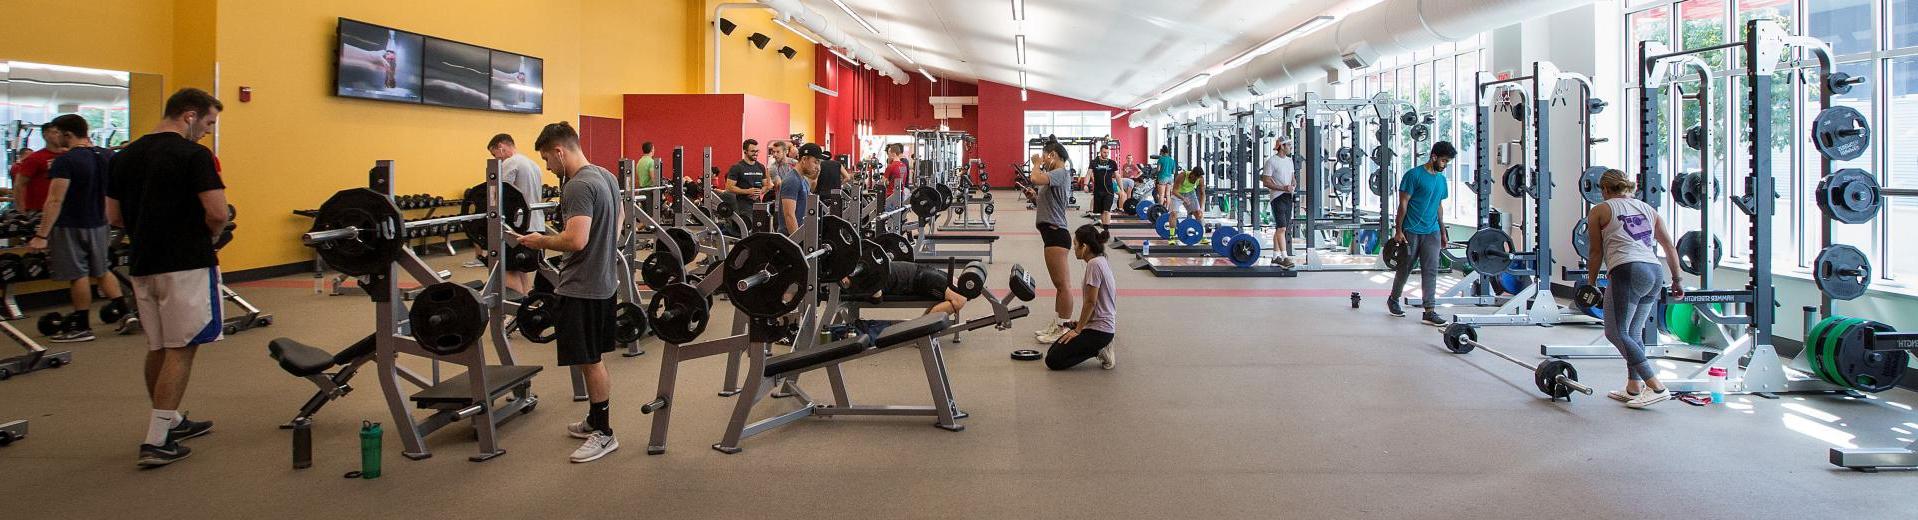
{"points": [[1556, 378]]}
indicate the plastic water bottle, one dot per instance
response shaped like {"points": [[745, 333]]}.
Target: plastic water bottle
{"points": [[370, 449], [302, 443], [1717, 375], [1146, 249]]}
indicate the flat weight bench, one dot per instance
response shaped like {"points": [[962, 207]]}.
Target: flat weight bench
{"points": [[312, 363], [929, 247], [922, 333]]}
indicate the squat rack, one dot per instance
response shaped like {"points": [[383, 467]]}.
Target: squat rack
{"points": [[1316, 118]]}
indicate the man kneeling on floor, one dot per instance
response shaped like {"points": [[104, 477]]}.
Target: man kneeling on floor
{"points": [[587, 278]]}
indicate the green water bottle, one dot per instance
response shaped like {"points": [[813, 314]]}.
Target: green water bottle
{"points": [[370, 449]]}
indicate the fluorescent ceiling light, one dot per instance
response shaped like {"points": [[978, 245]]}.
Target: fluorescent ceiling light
{"points": [[1120, 114], [1020, 41], [795, 30], [1022, 94], [1018, 10], [902, 54], [1181, 88], [1022, 80], [842, 55], [855, 16], [1286, 37], [928, 75]]}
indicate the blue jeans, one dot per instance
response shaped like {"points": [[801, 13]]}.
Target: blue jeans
{"points": [[1629, 303]]}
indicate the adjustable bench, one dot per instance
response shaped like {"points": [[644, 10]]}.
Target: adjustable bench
{"points": [[312, 363]]}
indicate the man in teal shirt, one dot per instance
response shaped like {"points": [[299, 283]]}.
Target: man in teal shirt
{"points": [[1167, 167], [1419, 227]]}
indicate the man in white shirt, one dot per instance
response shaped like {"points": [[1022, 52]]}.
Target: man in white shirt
{"points": [[1281, 176], [519, 172]]}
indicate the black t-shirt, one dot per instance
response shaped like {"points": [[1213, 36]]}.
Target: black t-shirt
{"points": [[747, 175], [158, 180], [1102, 171], [85, 170], [831, 177]]}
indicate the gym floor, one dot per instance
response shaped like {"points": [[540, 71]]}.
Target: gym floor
{"points": [[1295, 405]]}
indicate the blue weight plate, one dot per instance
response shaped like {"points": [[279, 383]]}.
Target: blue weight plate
{"points": [[1143, 206], [1245, 250], [1159, 224], [1221, 238], [1190, 231]]}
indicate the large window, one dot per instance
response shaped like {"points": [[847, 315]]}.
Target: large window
{"points": [[1437, 81], [1876, 39], [1069, 123]]}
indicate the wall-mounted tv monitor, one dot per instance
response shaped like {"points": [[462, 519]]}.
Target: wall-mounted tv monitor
{"points": [[519, 83], [456, 74], [378, 62]]}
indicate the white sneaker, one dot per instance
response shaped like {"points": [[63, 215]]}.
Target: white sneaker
{"points": [[1648, 397], [1621, 396], [1057, 332], [1051, 329], [597, 445], [1108, 358], [579, 430]]}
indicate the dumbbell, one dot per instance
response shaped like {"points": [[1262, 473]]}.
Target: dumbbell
{"points": [[55, 323], [439, 201], [33, 266], [10, 269]]}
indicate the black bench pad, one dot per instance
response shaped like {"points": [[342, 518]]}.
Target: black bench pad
{"points": [[828, 352], [303, 360], [916, 328]]}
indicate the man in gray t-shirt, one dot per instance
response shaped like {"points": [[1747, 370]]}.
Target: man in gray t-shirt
{"points": [[519, 172], [588, 278]]}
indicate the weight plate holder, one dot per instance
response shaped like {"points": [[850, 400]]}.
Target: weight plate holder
{"points": [[1515, 181], [678, 313], [1693, 257], [1190, 231], [1842, 272], [1490, 251], [1850, 196], [1841, 133], [447, 318]]}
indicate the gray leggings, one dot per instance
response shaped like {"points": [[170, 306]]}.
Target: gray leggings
{"points": [[1629, 303], [1425, 252]]}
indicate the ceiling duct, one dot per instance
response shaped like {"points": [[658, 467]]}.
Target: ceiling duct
{"points": [[793, 12]]}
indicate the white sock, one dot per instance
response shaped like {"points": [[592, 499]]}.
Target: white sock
{"points": [[161, 421]]}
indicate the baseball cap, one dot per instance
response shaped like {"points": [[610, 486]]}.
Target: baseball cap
{"points": [[814, 151]]}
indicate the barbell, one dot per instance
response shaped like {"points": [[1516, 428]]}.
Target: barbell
{"points": [[1556, 378]]}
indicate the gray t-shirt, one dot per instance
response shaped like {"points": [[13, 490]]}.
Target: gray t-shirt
{"points": [[1053, 197], [522, 174], [1105, 300], [591, 273]]}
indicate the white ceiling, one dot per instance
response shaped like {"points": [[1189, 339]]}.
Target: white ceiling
{"points": [[1115, 52]]}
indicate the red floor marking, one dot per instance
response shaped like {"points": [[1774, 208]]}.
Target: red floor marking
{"points": [[1239, 293]]}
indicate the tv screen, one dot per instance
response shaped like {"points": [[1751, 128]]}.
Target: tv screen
{"points": [[455, 74], [378, 63], [518, 83]]}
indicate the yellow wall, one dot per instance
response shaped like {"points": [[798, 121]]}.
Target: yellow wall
{"points": [[295, 143], [141, 34], [761, 72]]}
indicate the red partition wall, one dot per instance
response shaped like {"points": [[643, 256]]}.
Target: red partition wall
{"points": [[865, 98], [765, 120], [599, 137], [697, 121], [1002, 119]]}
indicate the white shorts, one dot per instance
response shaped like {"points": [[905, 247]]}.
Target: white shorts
{"points": [[179, 309]]}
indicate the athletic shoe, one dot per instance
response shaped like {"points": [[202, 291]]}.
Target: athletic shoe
{"points": [[188, 429], [1648, 398], [1051, 329], [72, 336], [1285, 262], [1621, 396], [1392, 308], [597, 445], [1108, 358], [155, 456], [1057, 333], [579, 430], [1433, 319]]}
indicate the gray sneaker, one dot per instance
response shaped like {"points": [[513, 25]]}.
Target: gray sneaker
{"points": [[155, 456], [597, 445]]}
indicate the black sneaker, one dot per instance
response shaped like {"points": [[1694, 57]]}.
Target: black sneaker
{"points": [[72, 336], [188, 429], [1392, 308], [155, 456], [1433, 319]]}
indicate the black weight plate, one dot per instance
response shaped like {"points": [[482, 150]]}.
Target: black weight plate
{"points": [[678, 313], [1841, 133], [1130, 207], [1588, 186], [1842, 272], [1157, 214], [925, 201], [945, 195], [661, 268], [1859, 367], [1489, 251], [1849, 195], [1026, 354], [1382, 156], [1582, 238], [537, 318], [1421, 131], [1546, 377], [1693, 254], [446, 318], [1695, 138], [896, 246], [688, 249], [1377, 183], [517, 216], [873, 269], [1409, 118], [1455, 333], [1515, 181], [781, 259], [1395, 254], [52, 323], [374, 247], [1345, 155], [629, 322], [843, 239]]}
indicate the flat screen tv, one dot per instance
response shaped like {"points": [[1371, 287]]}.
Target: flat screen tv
{"points": [[378, 62], [455, 74], [518, 83]]}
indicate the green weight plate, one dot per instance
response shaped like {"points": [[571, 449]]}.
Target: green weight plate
{"points": [[1815, 345]]}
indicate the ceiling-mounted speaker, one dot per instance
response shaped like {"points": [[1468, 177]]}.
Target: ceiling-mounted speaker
{"points": [[788, 51], [726, 26], [759, 40]]}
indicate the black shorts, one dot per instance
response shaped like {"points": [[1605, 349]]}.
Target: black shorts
{"points": [[1282, 210], [1054, 236], [585, 330], [1101, 202]]}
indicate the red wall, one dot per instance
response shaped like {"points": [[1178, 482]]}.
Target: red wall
{"points": [[697, 121], [1002, 117], [889, 109], [599, 137]]}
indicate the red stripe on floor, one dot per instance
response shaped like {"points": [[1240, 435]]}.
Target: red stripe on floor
{"points": [[1240, 293]]}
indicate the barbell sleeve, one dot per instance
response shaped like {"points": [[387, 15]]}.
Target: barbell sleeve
{"points": [[748, 283], [1568, 382], [317, 237]]}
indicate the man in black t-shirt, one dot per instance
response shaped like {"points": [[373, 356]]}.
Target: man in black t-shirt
{"points": [[1103, 175], [165, 190], [74, 229], [746, 183], [832, 177]]}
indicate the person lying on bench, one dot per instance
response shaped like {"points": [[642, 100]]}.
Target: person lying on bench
{"points": [[908, 281]]}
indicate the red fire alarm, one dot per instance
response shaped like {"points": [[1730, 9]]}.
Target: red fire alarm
{"points": [[246, 94]]}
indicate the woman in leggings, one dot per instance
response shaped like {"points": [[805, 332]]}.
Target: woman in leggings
{"points": [[1099, 315], [1627, 231]]}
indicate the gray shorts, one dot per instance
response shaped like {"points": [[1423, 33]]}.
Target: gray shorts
{"points": [[75, 253]]}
